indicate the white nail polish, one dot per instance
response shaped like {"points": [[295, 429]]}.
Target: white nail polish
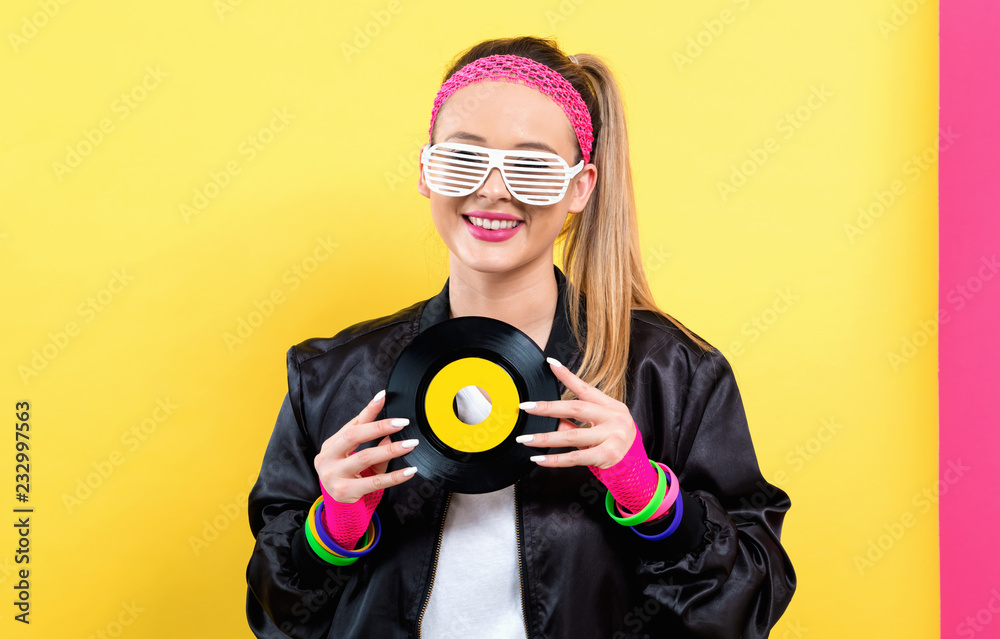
{"points": [[524, 439], [412, 470], [399, 422], [410, 443], [527, 405], [379, 395], [554, 362], [537, 458]]}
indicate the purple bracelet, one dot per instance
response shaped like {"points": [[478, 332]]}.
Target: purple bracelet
{"points": [[334, 546], [674, 525]]}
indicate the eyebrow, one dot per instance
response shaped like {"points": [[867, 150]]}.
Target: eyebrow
{"points": [[540, 146]]}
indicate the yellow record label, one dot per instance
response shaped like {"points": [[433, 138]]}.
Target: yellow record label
{"points": [[453, 432]]}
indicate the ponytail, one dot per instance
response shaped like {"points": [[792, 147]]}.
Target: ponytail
{"points": [[601, 255]]}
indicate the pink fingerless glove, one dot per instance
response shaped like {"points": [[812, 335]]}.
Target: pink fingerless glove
{"points": [[632, 481], [346, 523]]}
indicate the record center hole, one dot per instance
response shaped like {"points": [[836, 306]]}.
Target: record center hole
{"points": [[470, 398]]}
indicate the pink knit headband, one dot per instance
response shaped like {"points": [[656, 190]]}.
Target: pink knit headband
{"points": [[519, 70]]}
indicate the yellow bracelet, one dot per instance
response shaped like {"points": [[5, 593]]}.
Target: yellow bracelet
{"points": [[313, 522]]}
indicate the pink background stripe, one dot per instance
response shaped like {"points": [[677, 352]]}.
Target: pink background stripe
{"points": [[969, 290]]}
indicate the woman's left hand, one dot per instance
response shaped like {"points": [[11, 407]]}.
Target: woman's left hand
{"points": [[603, 444]]}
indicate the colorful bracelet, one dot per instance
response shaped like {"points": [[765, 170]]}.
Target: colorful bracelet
{"points": [[325, 554], [649, 509], [668, 501], [367, 542], [319, 534], [674, 525], [328, 550]]}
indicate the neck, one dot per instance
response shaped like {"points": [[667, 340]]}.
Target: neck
{"points": [[525, 299]]}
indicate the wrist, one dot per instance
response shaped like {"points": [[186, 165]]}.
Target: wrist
{"points": [[633, 480]]}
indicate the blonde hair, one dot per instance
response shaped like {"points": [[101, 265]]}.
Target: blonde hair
{"points": [[601, 253]]}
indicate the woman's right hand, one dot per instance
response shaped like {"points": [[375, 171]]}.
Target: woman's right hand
{"points": [[348, 476]]}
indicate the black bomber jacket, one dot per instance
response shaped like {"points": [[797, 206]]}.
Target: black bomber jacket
{"points": [[723, 573]]}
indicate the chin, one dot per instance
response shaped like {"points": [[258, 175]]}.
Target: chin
{"points": [[492, 266]]}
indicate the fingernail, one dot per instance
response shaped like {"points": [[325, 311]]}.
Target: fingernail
{"points": [[537, 458], [410, 443], [553, 361], [412, 470], [379, 395], [527, 405], [399, 422], [523, 439]]}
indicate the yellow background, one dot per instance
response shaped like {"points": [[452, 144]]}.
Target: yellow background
{"points": [[163, 541]]}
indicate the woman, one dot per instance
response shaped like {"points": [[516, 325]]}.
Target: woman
{"points": [[647, 406]]}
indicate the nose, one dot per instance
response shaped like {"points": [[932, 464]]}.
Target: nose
{"points": [[494, 188]]}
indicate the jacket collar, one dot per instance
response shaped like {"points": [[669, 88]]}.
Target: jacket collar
{"points": [[561, 345]]}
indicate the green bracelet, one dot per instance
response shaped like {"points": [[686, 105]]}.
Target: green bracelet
{"points": [[645, 513], [324, 554]]}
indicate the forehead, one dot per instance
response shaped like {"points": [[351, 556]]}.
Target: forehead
{"points": [[505, 114]]}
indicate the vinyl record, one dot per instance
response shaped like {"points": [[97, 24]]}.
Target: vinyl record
{"points": [[448, 357]]}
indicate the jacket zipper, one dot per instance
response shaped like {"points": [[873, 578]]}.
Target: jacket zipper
{"points": [[437, 551], [520, 560]]}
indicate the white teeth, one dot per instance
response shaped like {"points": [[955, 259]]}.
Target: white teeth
{"points": [[494, 225]]}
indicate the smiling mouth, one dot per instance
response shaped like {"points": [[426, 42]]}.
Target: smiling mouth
{"points": [[493, 225]]}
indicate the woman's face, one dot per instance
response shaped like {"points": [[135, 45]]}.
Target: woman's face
{"points": [[502, 115]]}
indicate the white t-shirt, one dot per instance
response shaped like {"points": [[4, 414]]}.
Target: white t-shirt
{"points": [[477, 587]]}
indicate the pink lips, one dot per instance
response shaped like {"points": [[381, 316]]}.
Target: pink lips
{"points": [[499, 235]]}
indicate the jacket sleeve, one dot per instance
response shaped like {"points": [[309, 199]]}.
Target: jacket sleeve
{"points": [[291, 592], [723, 573]]}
